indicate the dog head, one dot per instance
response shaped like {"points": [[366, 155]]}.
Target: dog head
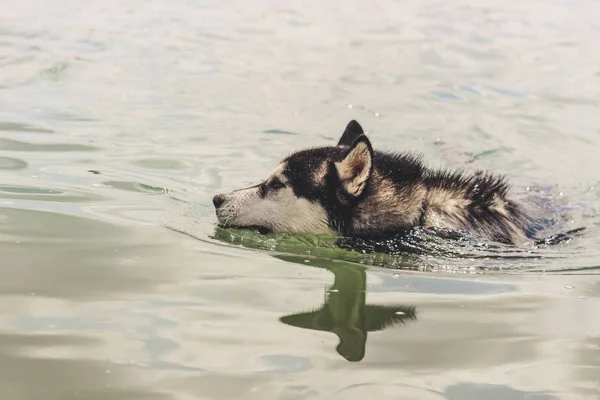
{"points": [[308, 192]]}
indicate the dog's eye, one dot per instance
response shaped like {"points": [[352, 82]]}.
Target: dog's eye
{"points": [[270, 186], [276, 184]]}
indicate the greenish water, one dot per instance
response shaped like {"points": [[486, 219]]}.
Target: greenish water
{"points": [[120, 120]]}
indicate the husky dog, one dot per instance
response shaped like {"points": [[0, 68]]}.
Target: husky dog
{"points": [[355, 191]]}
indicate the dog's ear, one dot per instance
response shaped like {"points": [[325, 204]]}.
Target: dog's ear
{"points": [[352, 132], [355, 169]]}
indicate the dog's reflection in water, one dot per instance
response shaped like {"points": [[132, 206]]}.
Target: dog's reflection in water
{"points": [[345, 311]]}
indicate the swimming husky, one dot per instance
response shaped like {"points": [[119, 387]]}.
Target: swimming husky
{"points": [[352, 190]]}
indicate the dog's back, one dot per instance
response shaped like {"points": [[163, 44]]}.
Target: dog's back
{"points": [[403, 191]]}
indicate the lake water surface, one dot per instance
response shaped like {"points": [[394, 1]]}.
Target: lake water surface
{"points": [[119, 120]]}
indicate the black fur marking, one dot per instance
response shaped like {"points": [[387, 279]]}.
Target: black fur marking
{"points": [[399, 167], [352, 132]]}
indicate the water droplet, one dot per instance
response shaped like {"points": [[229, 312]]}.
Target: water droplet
{"points": [[560, 193], [400, 313], [396, 276], [350, 105], [591, 188], [569, 287], [528, 188], [377, 114]]}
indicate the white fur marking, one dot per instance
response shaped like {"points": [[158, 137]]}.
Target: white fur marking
{"points": [[281, 211]]}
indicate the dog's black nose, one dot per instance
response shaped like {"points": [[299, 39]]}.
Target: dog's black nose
{"points": [[218, 200]]}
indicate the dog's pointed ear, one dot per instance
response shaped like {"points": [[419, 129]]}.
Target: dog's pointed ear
{"points": [[352, 132], [356, 168]]}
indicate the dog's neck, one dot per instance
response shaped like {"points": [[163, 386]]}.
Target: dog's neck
{"points": [[390, 207], [396, 207]]}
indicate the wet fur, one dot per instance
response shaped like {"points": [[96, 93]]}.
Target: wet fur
{"points": [[352, 190]]}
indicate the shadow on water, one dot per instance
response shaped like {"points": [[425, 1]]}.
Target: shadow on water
{"points": [[345, 311], [321, 246], [417, 250]]}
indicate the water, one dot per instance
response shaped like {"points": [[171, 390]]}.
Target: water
{"points": [[120, 120]]}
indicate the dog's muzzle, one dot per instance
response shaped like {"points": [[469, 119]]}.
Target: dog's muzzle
{"points": [[218, 202]]}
